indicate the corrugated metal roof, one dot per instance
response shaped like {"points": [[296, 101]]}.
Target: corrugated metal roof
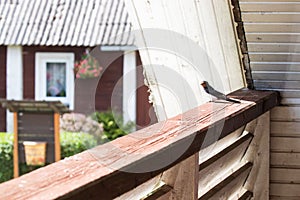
{"points": [[64, 22]]}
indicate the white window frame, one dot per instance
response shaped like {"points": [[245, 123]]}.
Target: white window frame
{"points": [[41, 60]]}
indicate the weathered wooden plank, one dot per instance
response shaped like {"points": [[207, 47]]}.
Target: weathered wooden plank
{"points": [[272, 27], [275, 66], [244, 194], [290, 101], [285, 114], [276, 85], [290, 93], [273, 37], [227, 184], [273, 47], [268, 0], [183, 179], [258, 154], [284, 144], [274, 57], [234, 189], [16, 145], [218, 146], [143, 190], [270, 75], [281, 17], [109, 170], [283, 198], [285, 190], [210, 176], [57, 136], [213, 153], [270, 6], [159, 193], [285, 160], [285, 129], [279, 175]]}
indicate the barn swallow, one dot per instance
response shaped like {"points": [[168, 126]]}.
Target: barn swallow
{"points": [[210, 90]]}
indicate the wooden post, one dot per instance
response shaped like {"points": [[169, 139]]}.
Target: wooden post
{"points": [[259, 154], [183, 178], [16, 147], [56, 136]]}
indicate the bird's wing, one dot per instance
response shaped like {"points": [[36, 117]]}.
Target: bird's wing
{"points": [[216, 93]]}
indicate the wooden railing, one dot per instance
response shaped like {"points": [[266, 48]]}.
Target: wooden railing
{"points": [[215, 151]]}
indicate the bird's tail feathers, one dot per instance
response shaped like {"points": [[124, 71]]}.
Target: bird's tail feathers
{"points": [[232, 100]]}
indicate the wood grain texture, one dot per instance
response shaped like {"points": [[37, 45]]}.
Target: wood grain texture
{"points": [[272, 27], [273, 37], [183, 179], [274, 57], [258, 153], [285, 160], [273, 47], [287, 17], [267, 7], [57, 136], [285, 144], [109, 170], [280, 175], [16, 145], [285, 190], [269, 75], [285, 114], [276, 66], [285, 129], [277, 84]]}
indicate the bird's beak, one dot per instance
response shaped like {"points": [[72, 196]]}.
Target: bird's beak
{"points": [[203, 84]]}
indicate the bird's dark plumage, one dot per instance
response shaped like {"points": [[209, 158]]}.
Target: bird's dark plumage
{"points": [[210, 90]]}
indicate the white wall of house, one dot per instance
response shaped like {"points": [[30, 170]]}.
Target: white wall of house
{"points": [[129, 86], [14, 79]]}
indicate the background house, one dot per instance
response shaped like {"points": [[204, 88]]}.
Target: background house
{"points": [[41, 34]]}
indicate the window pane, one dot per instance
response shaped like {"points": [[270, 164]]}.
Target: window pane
{"points": [[56, 79]]}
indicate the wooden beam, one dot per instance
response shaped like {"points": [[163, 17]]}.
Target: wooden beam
{"points": [[56, 136], [259, 153], [16, 146], [115, 168]]}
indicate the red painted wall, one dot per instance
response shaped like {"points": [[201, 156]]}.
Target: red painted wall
{"points": [[110, 80], [145, 112], [107, 82], [29, 64]]}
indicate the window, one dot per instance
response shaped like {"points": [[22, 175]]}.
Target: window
{"points": [[54, 77]]}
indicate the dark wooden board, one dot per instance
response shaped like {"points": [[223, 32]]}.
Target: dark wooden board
{"points": [[36, 127]]}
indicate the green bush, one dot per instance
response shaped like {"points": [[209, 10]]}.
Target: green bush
{"points": [[112, 125], [6, 156], [71, 144]]}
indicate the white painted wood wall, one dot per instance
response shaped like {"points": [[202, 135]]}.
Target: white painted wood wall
{"points": [[273, 35], [182, 43]]}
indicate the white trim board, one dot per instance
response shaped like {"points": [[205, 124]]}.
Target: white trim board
{"points": [[129, 86], [14, 79]]}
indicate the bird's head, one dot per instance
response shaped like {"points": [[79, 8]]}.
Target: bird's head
{"points": [[204, 84]]}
